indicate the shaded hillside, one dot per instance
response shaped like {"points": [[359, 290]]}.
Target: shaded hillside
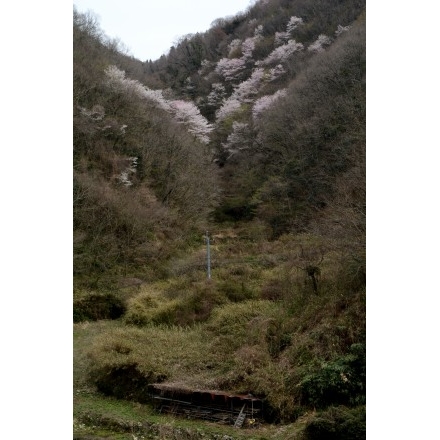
{"points": [[141, 178]]}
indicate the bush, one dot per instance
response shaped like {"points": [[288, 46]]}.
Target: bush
{"points": [[126, 382], [235, 291], [98, 306], [341, 381], [337, 423], [185, 309]]}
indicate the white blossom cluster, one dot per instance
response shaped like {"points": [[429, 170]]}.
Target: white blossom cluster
{"points": [[230, 106], [281, 53], [250, 87], [230, 69], [183, 111], [97, 112], [217, 94], [117, 81], [284, 37], [242, 93], [233, 46], [281, 38], [276, 72], [293, 23], [131, 169], [318, 45], [248, 47], [246, 91], [186, 112], [237, 138], [266, 101]]}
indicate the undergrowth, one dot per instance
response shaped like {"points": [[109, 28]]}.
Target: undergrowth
{"points": [[296, 349]]}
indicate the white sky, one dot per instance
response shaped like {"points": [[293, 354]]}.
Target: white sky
{"points": [[149, 28]]}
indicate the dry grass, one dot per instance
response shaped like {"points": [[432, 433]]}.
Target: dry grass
{"points": [[221, 334]]}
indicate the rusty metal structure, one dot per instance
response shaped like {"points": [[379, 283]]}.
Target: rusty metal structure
{"points": [[216, 406]]}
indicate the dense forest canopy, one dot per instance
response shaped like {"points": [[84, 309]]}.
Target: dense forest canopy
{"points": [[254, 129]]}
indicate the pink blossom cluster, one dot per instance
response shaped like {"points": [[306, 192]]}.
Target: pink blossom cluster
{"points": [[281, 53], [117, 81], [318, 45], [236, 140], [283, 37], [230, 106], [266, 101], [249, 87], [248, 47], [230, 69], [187, 112], [183, 111], [293, 23], [242, 93], [276, 72]]}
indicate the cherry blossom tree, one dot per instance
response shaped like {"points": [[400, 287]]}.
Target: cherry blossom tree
{"points": [[229, 107], [217, 94], [237, 139], [293, 23], [284, 37], [265, 102], [158, 98], [233, 46], [318, 45], [243, 93], [131, 169], [247, 48], [117, 81], [281, 53], [276, 72], [249, 87], [230, 69], [186, 112], [183, 111]]}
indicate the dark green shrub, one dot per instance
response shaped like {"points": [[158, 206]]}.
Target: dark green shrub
{"points": [[126, 382], [98, 306], [341, 381], [337, 423]]}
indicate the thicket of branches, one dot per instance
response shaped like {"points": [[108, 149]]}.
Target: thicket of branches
{"points": [[139, 174]]}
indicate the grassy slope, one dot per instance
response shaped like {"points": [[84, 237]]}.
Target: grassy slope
{"points": [[221, 334]]}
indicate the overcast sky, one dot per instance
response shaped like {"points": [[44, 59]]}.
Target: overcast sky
{"points": [[148, 28]]}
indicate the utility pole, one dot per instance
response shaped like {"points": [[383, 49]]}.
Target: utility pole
{"points": [[208, 256]]}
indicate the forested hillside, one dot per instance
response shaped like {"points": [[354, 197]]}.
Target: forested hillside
{"points": [[255, 132]]}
